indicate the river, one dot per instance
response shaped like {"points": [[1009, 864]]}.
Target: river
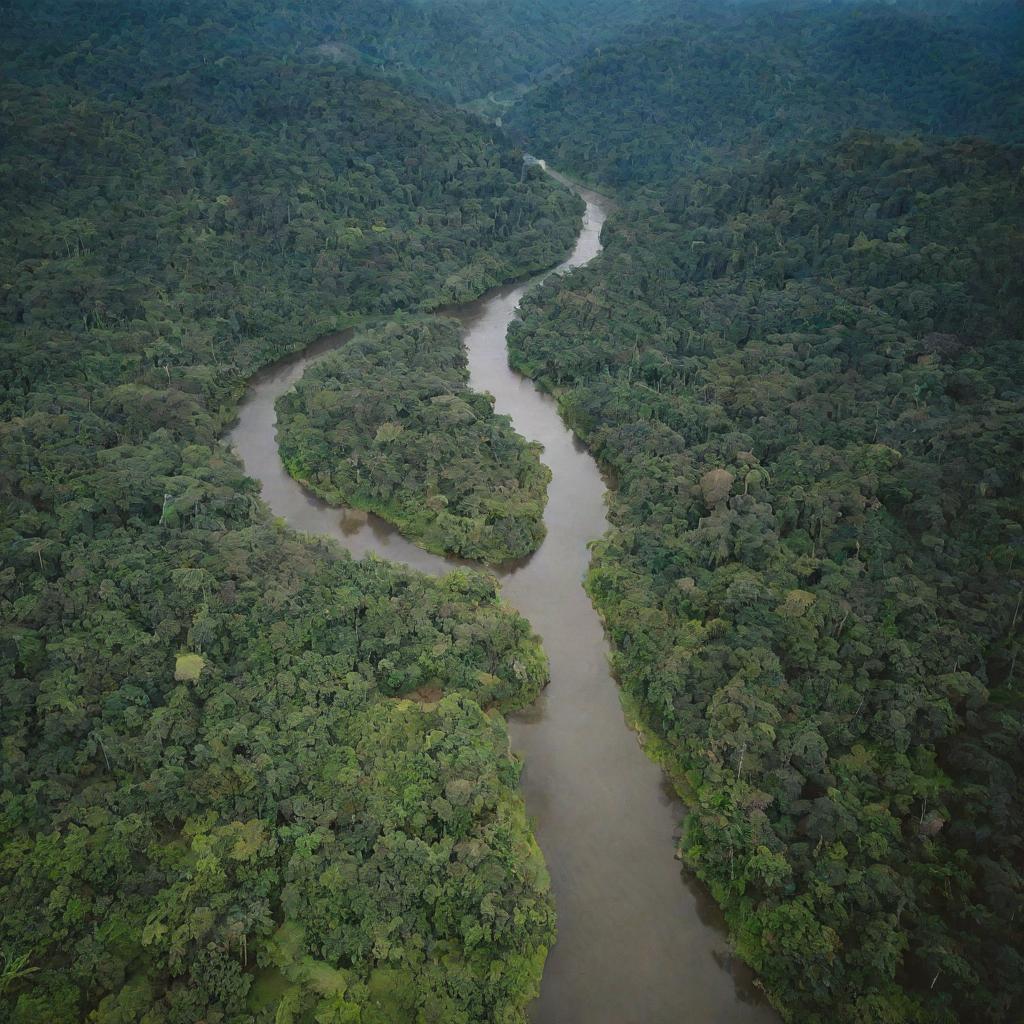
{"points": [[637, 943]]}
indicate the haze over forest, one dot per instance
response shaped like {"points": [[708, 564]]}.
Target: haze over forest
{"points": [[252, 776]]}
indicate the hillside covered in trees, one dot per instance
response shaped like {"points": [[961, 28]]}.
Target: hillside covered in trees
{"points": [[800, 357], [485, 52], [244, 778], [714, 87], [387, 423]]}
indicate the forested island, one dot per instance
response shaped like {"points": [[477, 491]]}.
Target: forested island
{"points": [[247, 778], [388, 424]]}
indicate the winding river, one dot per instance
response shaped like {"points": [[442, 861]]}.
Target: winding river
{"points": [[637, 944]]}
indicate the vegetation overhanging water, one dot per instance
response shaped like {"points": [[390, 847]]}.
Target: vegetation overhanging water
{"points": [[635, 940]]}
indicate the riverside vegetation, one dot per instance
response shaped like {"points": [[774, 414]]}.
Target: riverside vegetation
{"points": [[217, 800], [800, 355], [387, 423]]}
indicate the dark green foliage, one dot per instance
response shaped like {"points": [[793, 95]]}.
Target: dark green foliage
{"points": [[387, 423], [486, 51], [245, 779], [327, 198], [217, 801], [724, 86], [807, 381]]}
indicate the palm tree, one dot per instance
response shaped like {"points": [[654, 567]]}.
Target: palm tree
{"points": [[14, 969], [36, 546]]}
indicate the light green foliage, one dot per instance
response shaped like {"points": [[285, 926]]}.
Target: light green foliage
{"points": [[188, 667], [388, 423]]}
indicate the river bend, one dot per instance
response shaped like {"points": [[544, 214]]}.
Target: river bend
{"points": [[637, 944]]}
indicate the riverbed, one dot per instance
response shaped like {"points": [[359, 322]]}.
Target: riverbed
{"points": [[637, 942]]}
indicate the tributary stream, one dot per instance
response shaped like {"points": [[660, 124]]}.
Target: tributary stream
{"points": [[637, 943]]}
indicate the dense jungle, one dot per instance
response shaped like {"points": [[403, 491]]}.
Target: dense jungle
{"points": [[248, 778]]}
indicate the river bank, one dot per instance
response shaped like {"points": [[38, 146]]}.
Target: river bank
{"points": [[636, 942]]}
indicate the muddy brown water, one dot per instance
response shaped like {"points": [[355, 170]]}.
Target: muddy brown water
{"points": [[638, 943]]}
